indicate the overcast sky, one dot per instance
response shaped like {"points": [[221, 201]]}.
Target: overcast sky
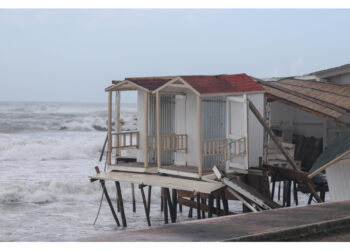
{"points": [[72, 55]]}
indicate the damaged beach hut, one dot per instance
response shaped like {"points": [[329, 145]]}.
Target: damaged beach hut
{"points": [[189, 129]]}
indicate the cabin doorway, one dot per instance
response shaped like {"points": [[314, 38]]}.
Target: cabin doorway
{"points": [[237, 129]]}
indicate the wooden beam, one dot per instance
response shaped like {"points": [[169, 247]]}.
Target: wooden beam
{"points": [[146, 129], [109, 129], [120, 202], [147, 209], [117, 118], [199, 135], [234, 193], [159, 156]]}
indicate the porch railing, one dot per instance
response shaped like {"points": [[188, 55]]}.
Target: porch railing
{"points": [[169, 142], [229, 148], [124, 140]]}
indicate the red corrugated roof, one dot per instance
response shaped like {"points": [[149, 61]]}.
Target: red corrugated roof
{"points": [[223, 83], [207, 84]]}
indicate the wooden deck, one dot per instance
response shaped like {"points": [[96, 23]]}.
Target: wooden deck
{"points": [[272, 225], [160, 181], [138, 167]]}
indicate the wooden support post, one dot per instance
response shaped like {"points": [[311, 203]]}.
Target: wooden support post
{"points": [[109, 129], [210, 204], [273, 187], [117, 120], [165, 206], [310, 199], [295, 192], [117, 199], [279, 191], [120, 202], [224, 202], [199, 135], [170, 205], [282, 149], [198, 206], [190, 211], [204, 202], [159, 145], [145, 205], [146, 129], [149, 198], [133, 197], [180, 208], [107, 198], [174, 196], [218, 209]]}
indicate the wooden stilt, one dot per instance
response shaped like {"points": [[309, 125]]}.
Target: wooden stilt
{"points": [[295, 192], [288, 193], [323, 195], [120, 203], [210, 201], [117, 199], [224, 202], [198, 206], [149, 198], [133, 198], [279, 190], [190, 211], [170, 205], [310, 199], [273, 187], [218, 205], [107, 198], [174, 195], [161, 201], [180, 208], [145, 205], [204, 201], [165, 206]]}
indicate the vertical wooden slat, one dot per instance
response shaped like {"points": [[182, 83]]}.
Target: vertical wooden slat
{"points": [[109, 155], [159, 163], [199, 134], [117, 120]]}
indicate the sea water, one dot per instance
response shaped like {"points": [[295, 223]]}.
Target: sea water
{"points": [[47, 152]]}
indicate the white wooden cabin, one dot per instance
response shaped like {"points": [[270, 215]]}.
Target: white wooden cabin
{"points": [[188, 124]]}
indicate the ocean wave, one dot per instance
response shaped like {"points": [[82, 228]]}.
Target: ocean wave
{"points": [[49, 147]]}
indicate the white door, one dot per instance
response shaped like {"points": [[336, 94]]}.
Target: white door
{"points": [[237, 129]]}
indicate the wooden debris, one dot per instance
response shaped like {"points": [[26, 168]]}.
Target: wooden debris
{"points": [[120, 203], [147, 209]]}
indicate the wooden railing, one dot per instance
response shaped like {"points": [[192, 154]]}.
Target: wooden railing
{"points": [[125, 140], [229, 148], [169, 142]]}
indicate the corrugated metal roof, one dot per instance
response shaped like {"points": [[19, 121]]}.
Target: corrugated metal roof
{"points": [[331, 70], [223, 83], [327, 100], [336, 147], [205, 84]]}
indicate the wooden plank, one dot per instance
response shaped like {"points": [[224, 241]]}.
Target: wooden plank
{"points": [[109, 129], [120, 202], [145, 205], [160, 181], [159, 159], [199, 135], [235, 194]]}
